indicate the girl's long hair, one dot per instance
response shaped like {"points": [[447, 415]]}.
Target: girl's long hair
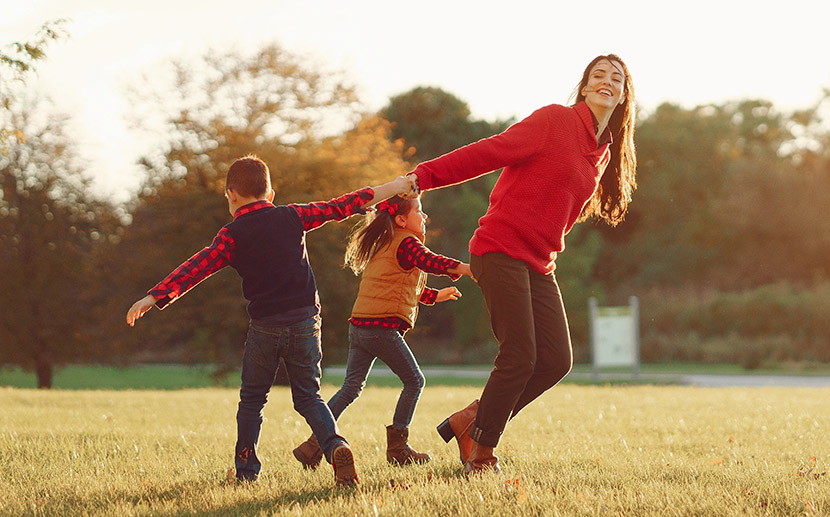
{"points": [[610, 201], [374, 232]]}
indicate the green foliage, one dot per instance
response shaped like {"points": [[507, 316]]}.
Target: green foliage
{"points": [[16, 61], [759, 327], [575, 451], [726, 199], [22, 56], [432, 122]]}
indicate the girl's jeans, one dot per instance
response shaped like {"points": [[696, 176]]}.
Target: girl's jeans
{"points": [[366, 345], [299, 346]]}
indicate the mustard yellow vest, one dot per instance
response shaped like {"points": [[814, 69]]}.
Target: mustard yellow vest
{"points": [[386, 289]]}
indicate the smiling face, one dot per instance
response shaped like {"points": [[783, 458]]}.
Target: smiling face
{"points": [[605, 87], [415, 221]]}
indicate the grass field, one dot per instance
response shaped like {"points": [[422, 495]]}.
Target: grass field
{"points": [[578, 450]]}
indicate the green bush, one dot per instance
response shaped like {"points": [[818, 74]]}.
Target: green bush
{"points": [[755, 328]]}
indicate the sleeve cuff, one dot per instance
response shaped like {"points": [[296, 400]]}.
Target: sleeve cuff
{"points": [[365, 195], [422, 175], [162, 302]]}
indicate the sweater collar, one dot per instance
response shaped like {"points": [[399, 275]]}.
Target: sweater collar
{"points": [[591, 124]]}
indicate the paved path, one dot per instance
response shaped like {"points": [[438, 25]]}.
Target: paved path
{"points": [[708, 380]]}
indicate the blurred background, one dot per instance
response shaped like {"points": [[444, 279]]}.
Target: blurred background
{"points": [[116, 136]]}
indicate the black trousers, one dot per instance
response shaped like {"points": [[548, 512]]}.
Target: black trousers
{"points": [[529, 322]]}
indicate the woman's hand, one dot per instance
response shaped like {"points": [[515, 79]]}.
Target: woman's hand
{"points": [[448, 293], [413, 190]]}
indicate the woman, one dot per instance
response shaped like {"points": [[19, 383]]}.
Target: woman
{"points": [[561, 165]]}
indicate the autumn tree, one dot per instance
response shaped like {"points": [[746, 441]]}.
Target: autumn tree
{"points": [[308, 127]]}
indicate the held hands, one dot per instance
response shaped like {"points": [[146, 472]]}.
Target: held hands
{"points": [[139, 308], [448, 293], [404, 186], [410, 189]]}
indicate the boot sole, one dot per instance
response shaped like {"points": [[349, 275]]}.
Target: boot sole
{"points": [[445, 430], [343, 461]]}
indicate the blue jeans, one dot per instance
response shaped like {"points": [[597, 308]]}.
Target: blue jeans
{"points": [[366, 345], [299, 346]]}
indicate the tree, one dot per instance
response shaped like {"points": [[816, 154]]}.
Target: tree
{"points": [[432, 122], [17, 62], [227, 106], [729, 199], [50, 229]]}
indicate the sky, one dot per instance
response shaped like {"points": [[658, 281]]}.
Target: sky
{"points": [[504, 59]]}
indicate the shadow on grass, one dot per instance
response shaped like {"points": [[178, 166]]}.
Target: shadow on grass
{"points": [[186, 498]]}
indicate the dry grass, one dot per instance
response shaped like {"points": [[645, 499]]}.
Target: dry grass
{"points": [[576, 451]]}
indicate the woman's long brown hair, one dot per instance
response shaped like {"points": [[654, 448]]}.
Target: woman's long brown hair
{"points": [[610, 201], [374, 232]]}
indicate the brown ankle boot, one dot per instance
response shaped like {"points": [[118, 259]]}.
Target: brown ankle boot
{"points": [[481, 458], [458, 426], [342, 460], [309, 453], [398, 451]]}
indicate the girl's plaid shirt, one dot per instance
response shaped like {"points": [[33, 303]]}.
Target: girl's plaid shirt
{"points": [[412, 253], [221, 251]]}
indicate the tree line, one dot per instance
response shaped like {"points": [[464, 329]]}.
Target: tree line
{"points": [[726, 242]]}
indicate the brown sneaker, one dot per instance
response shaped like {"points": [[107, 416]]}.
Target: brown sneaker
{"points": [[309, 453], [398, 451], [343, 462]]}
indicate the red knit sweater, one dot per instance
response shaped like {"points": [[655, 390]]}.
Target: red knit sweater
{"points": [[552, 166]]}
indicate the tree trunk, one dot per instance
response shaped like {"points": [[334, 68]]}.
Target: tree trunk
{"points": [[43, 370]]}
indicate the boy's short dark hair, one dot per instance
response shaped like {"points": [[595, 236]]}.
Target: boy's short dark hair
{"points": [[249, 177]]}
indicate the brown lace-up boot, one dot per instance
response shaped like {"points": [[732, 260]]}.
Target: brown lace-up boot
{"points": [[481, 458], [458, 426], [309, 453], [398, 451], [342, 460]]}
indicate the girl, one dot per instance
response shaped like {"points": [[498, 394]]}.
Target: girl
{"points": [[561, 164], [387, 248]]}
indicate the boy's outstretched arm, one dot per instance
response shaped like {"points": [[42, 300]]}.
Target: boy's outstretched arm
{"points": [[139, 308], [404, 186]]}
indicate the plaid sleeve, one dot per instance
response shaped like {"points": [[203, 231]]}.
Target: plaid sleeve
{"points": [[316, 214], [195, 269], [412, 253], [428, 296]]}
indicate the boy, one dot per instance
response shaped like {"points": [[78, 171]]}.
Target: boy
{"points": [[266, 246]]}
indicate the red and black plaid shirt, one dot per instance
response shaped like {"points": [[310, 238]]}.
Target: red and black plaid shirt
{"points": [[412, 253], [221, 251]]}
